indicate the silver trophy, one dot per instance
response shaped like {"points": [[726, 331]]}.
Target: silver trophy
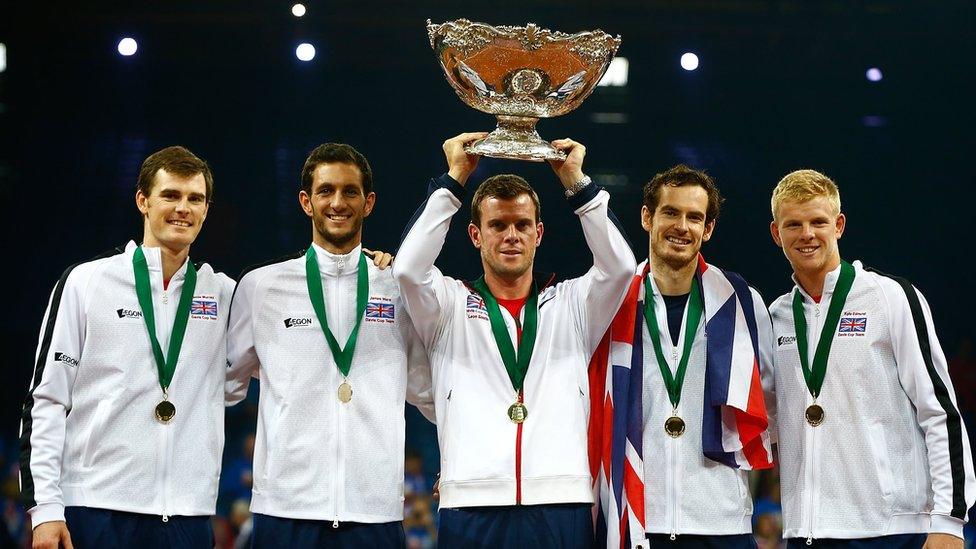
{"points": [[520, 74]]}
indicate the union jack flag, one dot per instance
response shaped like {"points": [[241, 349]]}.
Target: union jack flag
{"points": [[379, 309], [475, 302], [853, 325], [203, 307]]}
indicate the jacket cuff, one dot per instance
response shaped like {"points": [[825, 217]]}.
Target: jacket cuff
{"points": [[51, 512], [944, 524], [446, 182], [581, 198]]}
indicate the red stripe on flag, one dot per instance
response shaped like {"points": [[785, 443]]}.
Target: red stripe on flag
{"points": [[634, 487]]}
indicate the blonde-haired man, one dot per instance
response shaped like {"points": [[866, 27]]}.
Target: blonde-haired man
{"points": [[872, 449]]}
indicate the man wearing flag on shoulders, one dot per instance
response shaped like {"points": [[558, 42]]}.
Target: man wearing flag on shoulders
{"points": [[123, 428], [873, 452], [336, 354], [705, 341], [509, 355]]}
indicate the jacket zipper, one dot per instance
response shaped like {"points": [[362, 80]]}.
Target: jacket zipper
{"points": [[673, 484], [163, 319], [340, 468], [518, 458], [811, 455]]}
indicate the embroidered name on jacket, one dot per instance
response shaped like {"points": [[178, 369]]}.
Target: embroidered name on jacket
{"points": [[476, 307], [380, 309], [203, 307], [852, 324]]}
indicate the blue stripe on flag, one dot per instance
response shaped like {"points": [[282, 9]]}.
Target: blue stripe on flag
{"points": [[718, 362]]}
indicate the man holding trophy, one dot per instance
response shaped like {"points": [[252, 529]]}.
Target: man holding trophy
{"points": [[509, 354]]}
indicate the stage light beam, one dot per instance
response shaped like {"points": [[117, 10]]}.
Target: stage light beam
{"points": [[305, 52], [298, 10], [3, 57], [689, 61], [128, 47], [874, 74]]}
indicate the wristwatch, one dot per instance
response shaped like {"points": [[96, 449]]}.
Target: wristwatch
{"points": [[578, 186]]}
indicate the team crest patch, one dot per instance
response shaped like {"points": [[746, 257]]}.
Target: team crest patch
{"points": [[380, 311], [476, 307], [853, 324], [203, 307]]}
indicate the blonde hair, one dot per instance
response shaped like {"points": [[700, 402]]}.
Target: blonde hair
{"points": [[803, 185]]}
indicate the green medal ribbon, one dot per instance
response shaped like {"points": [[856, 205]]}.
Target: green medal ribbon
{"points": [[516, 366], [693, 316], [313, 278], [815, 377], [165, 365]]}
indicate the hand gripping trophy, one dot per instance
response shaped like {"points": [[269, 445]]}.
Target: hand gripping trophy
{"points": [[520, 74]]}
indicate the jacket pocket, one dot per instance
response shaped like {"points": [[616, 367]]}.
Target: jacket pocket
{"points": [[96, 432], [879, 449]]}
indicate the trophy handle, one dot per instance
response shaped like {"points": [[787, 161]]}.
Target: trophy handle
{"points": [[515, 138]]}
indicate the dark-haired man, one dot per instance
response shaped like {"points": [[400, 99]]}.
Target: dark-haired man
{"points": [[873, 451], [509, 355], [705, 422], [326, 333], [122, 430]]}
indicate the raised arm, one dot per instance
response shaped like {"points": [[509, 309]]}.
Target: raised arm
{"points": [[603, 287], [422, 286]]}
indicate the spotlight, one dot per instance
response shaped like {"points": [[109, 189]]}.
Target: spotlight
{"points": [[616, 74], [874, 74], [689, 61], [305, 51], [298, 10], [128, 46]]}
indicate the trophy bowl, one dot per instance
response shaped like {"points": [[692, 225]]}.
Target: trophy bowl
{"points": [[520, 74]]}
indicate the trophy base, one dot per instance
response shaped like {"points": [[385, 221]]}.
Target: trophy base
{"points": [[515, 138]]}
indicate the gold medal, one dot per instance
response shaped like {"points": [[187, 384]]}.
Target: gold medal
{"points": [[345, 392], [517, 412], [165, 411], [814, 414], [674, 426]]}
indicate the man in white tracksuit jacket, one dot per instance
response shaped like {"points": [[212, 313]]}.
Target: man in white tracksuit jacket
{"points": [[123, 428], [336, 353], [872, 449], [512, 416]]}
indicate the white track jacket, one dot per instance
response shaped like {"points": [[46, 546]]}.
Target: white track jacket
{"points": [[315, 457], [892, 455], [89, 437], [486, 459]]}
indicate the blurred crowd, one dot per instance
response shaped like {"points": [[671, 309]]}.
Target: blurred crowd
{"points": [[232, 524]]}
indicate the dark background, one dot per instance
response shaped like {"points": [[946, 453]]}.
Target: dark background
{"points": [[781, 86]]}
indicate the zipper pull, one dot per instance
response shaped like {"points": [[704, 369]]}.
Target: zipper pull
{"points": [[335, 523], [673, 536], [810, 540], [165, 518], [816, 310], [165, 298]]}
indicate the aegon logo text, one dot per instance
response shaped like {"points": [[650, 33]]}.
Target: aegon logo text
{"points": [[786, 340], [128, 313], [292, 322], [61, 357]]}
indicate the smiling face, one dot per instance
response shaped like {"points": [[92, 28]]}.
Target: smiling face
{"points": [[174, 211], [507, 235], [677, 226], [808, 232], [337, 205]]}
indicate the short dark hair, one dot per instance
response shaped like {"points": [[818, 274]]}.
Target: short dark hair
{"points": [[340, 153], [178, 161], [680, 176], [505, 186]]}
